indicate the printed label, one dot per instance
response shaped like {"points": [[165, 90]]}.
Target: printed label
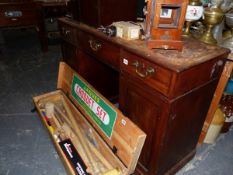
{"points": [[125, 61], [119, 32], [134, 33], [99, 111], [74, 158]]}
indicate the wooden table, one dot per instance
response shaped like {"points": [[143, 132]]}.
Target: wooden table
{"points": [[24, 14]]}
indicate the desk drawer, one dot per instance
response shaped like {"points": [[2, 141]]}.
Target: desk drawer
{"points": [[22, 17], [153, 75], [69, 33], [198, 76], [102, 50]]}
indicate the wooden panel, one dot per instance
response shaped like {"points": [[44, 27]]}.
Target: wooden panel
{"points": [[104, 51], [89, 12], [128, 145], [115, 10], [105, 12], [159, 80], [145, 108], [102, 77], [70, 54], [187, 115], [68, 33]]}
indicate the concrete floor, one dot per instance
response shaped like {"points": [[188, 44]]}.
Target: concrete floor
{"points": [[25, 148]]}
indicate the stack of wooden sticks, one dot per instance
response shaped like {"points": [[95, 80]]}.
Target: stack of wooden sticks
{"points": [[64, 125]]}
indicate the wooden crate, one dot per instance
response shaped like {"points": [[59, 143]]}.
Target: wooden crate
{"points": [[103, 140]]}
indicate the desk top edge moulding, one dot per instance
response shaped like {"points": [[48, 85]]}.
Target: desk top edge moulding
{"points": [[193, 53]]}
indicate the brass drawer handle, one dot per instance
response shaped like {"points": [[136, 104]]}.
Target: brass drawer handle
{"points": [[94, 45], [65, 31], [149, 71]]}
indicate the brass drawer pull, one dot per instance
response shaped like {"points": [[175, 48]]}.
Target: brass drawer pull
{"points": [[14, 19], [65, 31], [149, 71], [94, 45]]}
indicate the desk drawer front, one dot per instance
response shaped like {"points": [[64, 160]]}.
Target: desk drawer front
{"points": [[69, 34], [102, 50], [17, 17], [151, 74]]}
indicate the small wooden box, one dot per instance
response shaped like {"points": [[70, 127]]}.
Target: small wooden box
{"points": [[84, 124], [127, 30]]}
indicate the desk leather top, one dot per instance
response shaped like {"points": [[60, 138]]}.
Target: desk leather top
{"points": [[194, 52]]}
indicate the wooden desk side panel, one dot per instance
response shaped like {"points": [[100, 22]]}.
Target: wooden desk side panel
{"points": [[186, 118]]}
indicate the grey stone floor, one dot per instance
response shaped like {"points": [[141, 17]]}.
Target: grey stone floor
{"points": [[25, 148]]}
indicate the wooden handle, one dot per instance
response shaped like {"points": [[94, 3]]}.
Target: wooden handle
{"points": [[72, 130], [79, 134], [76, 143], [75, 138], [49, 110], [112, 172], [100, 156]]}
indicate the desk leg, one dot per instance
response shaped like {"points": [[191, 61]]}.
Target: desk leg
{"points": [[216, 98], [42, 37], [41, 30], [1, 38]]}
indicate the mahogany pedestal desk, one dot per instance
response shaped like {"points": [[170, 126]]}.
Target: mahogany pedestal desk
{"points": [[24, 14], [166, 93]]}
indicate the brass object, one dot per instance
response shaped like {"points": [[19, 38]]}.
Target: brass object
{"points": [[218, 31], [186, 31], [94, 45], [149, 71], [228, 43], [141, 72], [194, 12], [212, 17]]}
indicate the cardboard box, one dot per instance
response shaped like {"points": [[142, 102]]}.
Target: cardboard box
{"points": [[90, 134]]}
